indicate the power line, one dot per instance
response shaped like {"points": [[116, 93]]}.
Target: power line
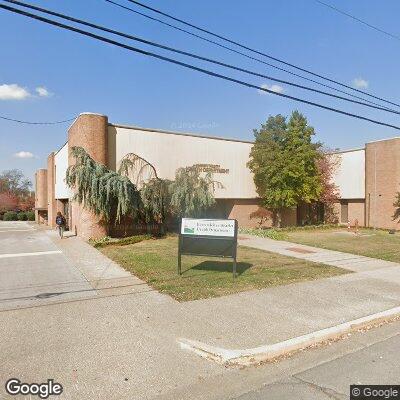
{"points": [[102, 28], [36, 123], [358, 20], [189, 66], [239, 52], [256, 51]]}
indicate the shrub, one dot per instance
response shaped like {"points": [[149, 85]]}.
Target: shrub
{"points": [[281, 233], [22, 216], [10, 216], [107, 241], [132, 240], [100, 242], [270, 233], [30, 215]]}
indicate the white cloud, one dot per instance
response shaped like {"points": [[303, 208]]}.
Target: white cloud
{"points": [[273, 88], [24, 154], [42, 91], [360, 83], [13, 92]]}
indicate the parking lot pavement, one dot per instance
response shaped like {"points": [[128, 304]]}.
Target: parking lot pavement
{"points": [[34, 271]]}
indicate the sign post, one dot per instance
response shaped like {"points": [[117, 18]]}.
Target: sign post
{"points": [[208, 237]]}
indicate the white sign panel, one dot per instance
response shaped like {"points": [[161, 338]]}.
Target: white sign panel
{"points": [[208, 227]]}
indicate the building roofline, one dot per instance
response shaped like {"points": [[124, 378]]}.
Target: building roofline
{"points": [[205, 136], [180, 133], [383, 140], [347, 151], [56, 152]]}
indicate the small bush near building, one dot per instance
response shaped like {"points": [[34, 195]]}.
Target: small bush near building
{"points": [[30, 215], [22, 216], [270, 233], [10, 216], [108, 241], [282, 233]]}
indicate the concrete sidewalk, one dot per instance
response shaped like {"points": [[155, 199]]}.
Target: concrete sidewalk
{"points": [[348, 261]]}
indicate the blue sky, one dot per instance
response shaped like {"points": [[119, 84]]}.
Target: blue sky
{"points": [[80, 74]]}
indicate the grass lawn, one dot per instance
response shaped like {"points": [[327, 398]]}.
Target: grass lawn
{"points": [[370, 243], [155, 261]]}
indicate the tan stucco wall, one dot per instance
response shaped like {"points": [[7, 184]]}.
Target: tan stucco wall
{"points": [[90, 132], [61, 164], [382, 182], [169, 151], [349, 176]]}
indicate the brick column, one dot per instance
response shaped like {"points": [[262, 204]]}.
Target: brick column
{"points": [[382, 181], [89, 131], [40, 193], [51, 201]]}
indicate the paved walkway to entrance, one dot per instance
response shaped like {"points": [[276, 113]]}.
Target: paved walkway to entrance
{"points": [[348, 261]]}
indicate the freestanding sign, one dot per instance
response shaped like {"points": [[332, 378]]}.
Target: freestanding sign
{"points": [[208, 237]]}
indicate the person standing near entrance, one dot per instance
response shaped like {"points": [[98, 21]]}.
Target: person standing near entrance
{"points": [[60, 222]]}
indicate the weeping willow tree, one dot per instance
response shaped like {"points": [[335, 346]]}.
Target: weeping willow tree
{"points": [[156, 199], [192, 194], [137, 169], [106, 193]]}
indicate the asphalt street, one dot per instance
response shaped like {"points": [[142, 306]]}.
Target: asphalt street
{"points": [[376, 364]]}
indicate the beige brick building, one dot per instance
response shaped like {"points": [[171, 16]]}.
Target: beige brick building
{"points": [[368, 178]]}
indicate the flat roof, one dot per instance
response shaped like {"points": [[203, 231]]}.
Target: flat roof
{"points": [[180, 133], [208, 136], [383, 140]]}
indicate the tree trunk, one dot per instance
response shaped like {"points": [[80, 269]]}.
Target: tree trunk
{"points": [[277, 218]]}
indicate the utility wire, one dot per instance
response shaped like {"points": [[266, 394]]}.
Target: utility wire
{"points": [[189, 66], [255, 51], [239, 52], [36, 123], [69, 18], [358, 20]]}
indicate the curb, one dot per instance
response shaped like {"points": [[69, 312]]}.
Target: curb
{"points": [[246, 357]]}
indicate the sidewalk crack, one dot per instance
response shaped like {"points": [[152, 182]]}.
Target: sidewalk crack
{"points": [[333, 394]]}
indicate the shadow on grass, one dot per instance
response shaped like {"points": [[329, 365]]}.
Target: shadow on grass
{"points": [[221, 266]]}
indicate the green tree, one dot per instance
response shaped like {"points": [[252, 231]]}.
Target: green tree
{"points": [[284, 163], [156, 199], [106, 193], [192, 194]]}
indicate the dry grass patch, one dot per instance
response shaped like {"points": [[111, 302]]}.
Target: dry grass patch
{"points": [[370, 243]]}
